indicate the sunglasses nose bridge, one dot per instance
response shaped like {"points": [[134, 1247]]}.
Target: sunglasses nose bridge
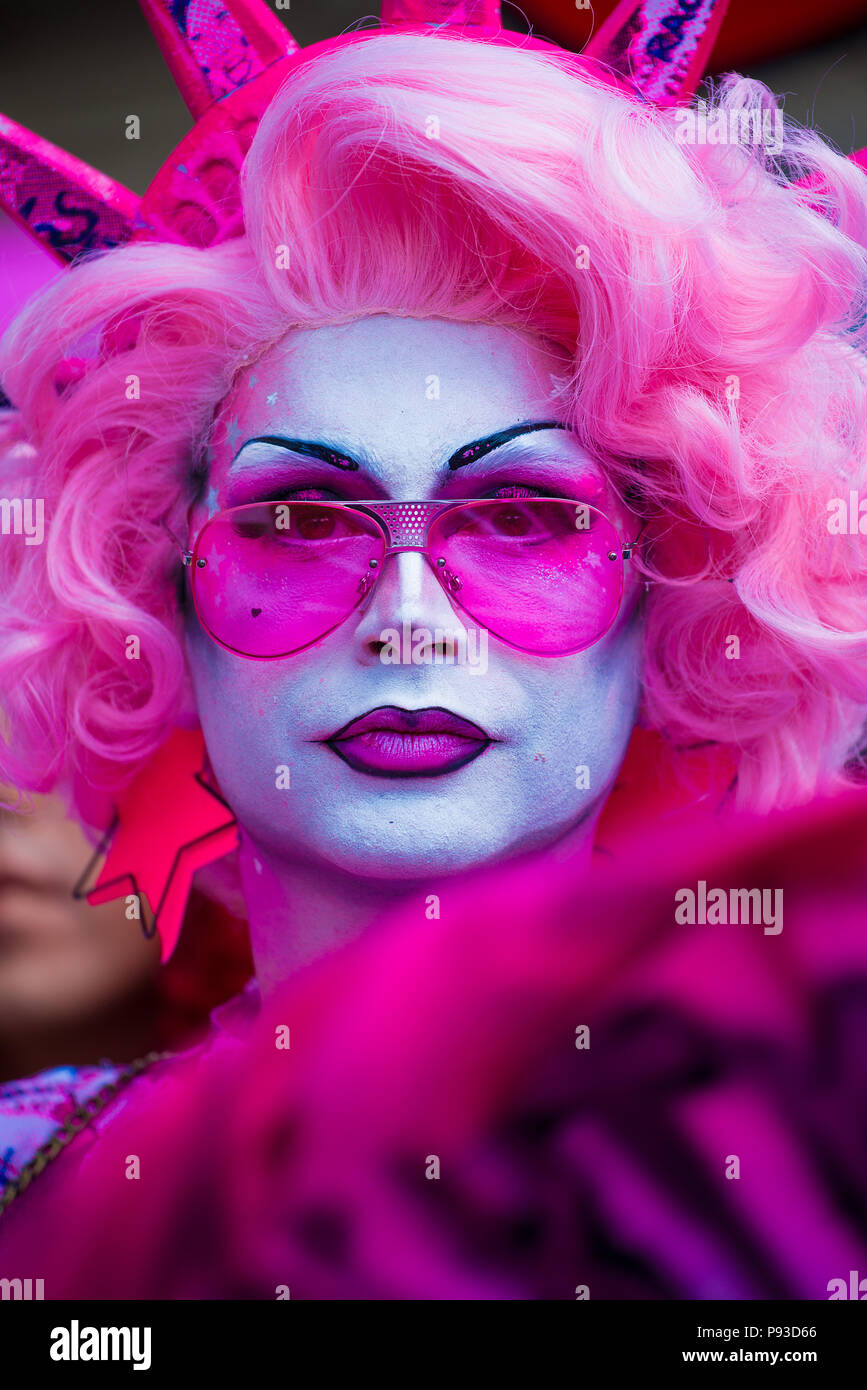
{"points": [[407, 592], [409, 580], [406, 524]]}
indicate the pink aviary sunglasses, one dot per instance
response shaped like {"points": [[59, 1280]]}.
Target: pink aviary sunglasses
{"points": [[542, 574]]}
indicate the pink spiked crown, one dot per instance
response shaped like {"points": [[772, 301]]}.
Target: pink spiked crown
{"points": [[228, 57]]}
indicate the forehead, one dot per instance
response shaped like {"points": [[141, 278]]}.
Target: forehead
{"points": [[407, 393]]}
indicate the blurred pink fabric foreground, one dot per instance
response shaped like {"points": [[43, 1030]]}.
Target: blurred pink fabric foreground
{"points": [[561, 1169]]}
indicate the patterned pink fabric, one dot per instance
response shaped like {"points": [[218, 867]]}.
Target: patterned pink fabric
{"points": [[213, 47], [34, 1109], [68, 206], [662, 46]]}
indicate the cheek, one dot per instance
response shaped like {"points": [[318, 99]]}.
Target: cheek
{"points": [[250, 715], [580, 710], [230, 693]]}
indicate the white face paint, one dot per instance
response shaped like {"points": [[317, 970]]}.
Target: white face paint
{"points": [[403, 396]]}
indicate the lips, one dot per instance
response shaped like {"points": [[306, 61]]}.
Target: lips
{"points": [[393, 742]]}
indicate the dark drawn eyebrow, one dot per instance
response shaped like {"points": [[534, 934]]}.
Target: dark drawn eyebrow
{"points": [[468, 453], [308, 447]]}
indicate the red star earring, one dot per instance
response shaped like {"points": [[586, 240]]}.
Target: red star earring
{"points": [[170, 821]]}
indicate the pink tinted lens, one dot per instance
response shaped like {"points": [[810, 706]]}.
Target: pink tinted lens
{"points": [[542, 574], [272, 577]]}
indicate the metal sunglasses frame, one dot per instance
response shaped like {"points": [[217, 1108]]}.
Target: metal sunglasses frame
{"points": [[406, 527]]}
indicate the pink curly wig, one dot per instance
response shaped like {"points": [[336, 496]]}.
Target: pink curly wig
{"points": [[715, 318]]}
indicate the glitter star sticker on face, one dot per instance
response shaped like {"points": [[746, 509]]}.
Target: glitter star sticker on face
{"points": [[233, 434]]}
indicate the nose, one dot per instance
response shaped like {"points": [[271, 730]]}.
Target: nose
{"points": [[408, 598]]}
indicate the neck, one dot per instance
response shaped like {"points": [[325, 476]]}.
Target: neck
{"points": [[301, 911]]}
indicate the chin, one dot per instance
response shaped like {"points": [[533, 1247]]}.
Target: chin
{"points": [[399, 865], [397, 846]]}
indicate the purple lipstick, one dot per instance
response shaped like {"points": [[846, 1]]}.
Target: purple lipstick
{"points": [[393, 742]]}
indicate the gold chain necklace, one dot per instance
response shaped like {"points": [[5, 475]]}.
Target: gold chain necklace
{"points": [[76, 1120]]}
